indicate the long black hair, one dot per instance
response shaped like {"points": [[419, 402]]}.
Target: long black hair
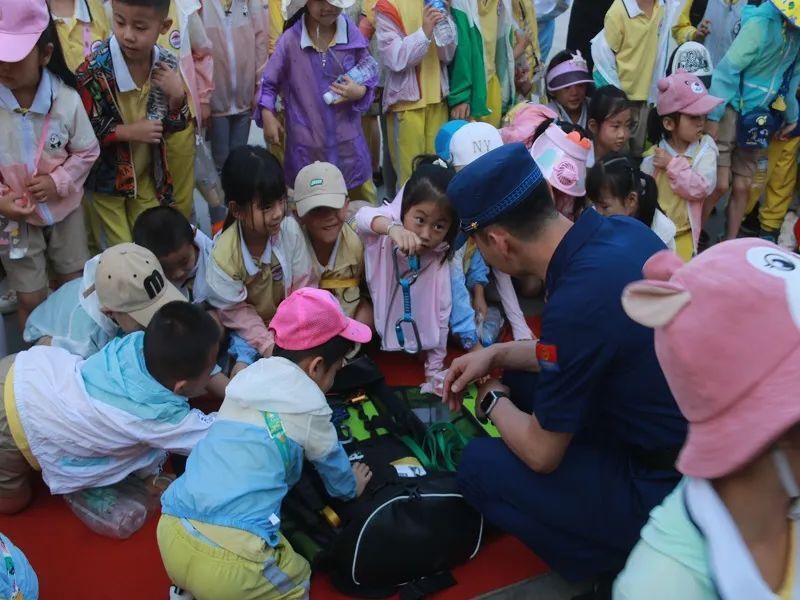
{"points": [[428, 183], [57, 65], [618, 175], [251, 175]]}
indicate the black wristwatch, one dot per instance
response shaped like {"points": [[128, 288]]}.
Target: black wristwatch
{"points": [[490, 401]]}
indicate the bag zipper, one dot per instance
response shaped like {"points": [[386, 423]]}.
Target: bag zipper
{"points": [[408, 495]]}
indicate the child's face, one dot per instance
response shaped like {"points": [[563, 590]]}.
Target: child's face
{"points": [[123, 320], [430, 221], [323, 224], [323, 13], [609, 205], [572, 97], [191, 388], [322, 374], [137, 29], [260, 221], [614, 132], [178, 264], [25, 73], [688, 129]]}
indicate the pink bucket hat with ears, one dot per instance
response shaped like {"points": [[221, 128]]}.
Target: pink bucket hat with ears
{"points": [[562, 159], [727, 336], [683, 92]]}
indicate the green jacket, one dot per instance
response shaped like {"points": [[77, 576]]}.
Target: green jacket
{"points": [[468, 69]]}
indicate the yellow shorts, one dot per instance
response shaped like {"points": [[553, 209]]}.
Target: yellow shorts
{"points": [[211, 572]]}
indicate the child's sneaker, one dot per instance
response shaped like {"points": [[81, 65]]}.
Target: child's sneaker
{"points": [[176, 593], [8, 302]]}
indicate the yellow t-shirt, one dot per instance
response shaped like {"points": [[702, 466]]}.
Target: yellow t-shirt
{"points": [[14, 423], [428, 71], [133, 107], [487, 14], [785, 593], [77, 37], [265, 289], [633, 37], [343, 278]]}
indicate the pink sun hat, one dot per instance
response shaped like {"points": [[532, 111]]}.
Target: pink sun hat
{"points": [[22, 23], [683, 92], [562, 159], [727, 336], [309, 317]]}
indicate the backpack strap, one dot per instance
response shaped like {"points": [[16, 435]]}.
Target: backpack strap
{"points": [[278, 435]]}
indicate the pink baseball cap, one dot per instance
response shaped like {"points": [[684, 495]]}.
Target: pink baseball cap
{"points": [[523, 121], [310, 317], [683, 92], [727, 336], [22, 23], [562, 159]]}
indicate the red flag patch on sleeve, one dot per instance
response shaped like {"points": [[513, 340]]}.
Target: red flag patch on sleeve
{"points": [[547, 355]]}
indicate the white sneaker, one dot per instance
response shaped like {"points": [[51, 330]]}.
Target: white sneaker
{"points": [[8, 302], [175, 593]]}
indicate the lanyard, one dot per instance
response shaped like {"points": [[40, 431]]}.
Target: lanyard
{"points": [[8, 563], [278, 435]]}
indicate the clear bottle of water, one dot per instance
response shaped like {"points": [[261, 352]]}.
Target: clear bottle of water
{"points": [[489, 328], [108, 511], [366, 69], [13, 238], [444, 33]]}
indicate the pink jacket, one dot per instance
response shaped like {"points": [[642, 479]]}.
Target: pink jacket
{"points": [[430, 294], [66, 150], [196, 60], [239, 45], [401, 54]]}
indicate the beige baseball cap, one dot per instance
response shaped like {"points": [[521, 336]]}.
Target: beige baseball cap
{"points": [[319, 184], [129, 279]]}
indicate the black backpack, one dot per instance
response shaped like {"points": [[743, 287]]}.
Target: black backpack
{"points": [[411, 524]]}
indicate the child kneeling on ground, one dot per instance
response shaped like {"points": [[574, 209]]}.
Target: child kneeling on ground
{"points": [[91, 423], [220, 535]]}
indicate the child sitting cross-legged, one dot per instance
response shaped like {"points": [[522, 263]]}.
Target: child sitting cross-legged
{"points": [[91, 423], [182, 250], [337, 254], [85, 314], [221, 522]]}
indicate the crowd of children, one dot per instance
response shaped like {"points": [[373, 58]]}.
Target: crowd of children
{"points": [[131, 308]]}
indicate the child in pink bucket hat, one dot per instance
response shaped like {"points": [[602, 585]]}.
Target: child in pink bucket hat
{"points": [[684, 159], [736, 381]]}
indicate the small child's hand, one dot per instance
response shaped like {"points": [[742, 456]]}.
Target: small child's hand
{"points": [[170, 82], [407, 241], [460, 112], [524, 38], [661, 159], [480, 307], [348, 90], [43, 188], [145, 131], [273, 130], [363, 474], [430, 17], [702, 31], [15, 207]]}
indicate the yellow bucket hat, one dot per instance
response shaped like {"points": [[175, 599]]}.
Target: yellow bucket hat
{"points": [[790, 9]]}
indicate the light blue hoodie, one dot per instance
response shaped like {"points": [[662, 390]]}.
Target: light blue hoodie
{"points": [[761, 53], [239, 474]]}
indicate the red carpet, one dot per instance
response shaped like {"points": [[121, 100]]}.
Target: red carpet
{"points": [[73, 563]]}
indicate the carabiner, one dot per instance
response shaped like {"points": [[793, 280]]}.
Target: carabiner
{"points": [[405, 284]]}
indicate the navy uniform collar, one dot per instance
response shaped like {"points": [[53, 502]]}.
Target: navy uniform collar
{"points": [[581, 232]]}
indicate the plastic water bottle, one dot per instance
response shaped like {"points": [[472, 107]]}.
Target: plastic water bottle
{"points": [[489, 328], [444, 33], [13, 238], [107, 511], [366, 69]]}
